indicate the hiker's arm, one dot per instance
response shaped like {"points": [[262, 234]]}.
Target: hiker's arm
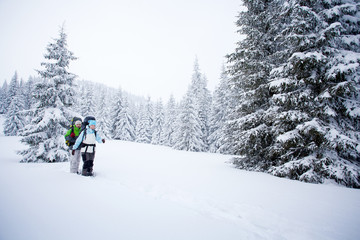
{"points": [[68, 133], [98, 138], [79, 140]]}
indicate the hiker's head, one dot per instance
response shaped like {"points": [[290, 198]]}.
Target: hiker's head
{"points": [[92, 124], [78, 124]]}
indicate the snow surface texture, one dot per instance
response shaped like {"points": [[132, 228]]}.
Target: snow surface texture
{"points": [[152, 192]]}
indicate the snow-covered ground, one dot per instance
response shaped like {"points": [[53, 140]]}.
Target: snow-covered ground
{"points": [[157, 193]]}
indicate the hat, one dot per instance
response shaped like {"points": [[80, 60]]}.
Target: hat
{"points": [[92, 122], [77, 122]]}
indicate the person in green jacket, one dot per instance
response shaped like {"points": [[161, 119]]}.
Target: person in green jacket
{"points": [[71, 136]]}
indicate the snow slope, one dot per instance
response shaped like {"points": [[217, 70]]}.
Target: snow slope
{"points": [[153, 192]]}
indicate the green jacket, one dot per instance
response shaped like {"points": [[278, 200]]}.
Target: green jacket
{"points": [[70, 140], [76, 131]]}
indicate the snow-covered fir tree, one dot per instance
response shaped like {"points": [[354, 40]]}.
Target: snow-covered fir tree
{"points": [[13, 87], [123, 123], [3, 98], [195, 110], [125, 126], [116, 112], [103, 112], [170, 122], [249, 68], [202, 102], [79, 91], [149, 108], [189, 135], [12, 90], [219, 114], [54, 96], [144, 123], [15, 121], [158, 125], [133, 109], [87, 99], [21, 83], [295, 78], [27, 93]]}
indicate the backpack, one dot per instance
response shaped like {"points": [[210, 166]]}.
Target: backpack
{"points": [[70, 140], [86, 122]]}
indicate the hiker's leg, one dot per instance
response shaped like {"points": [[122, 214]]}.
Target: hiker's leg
{"points": [[85, 164], [73, 167], [77, 157], [90, 159]]}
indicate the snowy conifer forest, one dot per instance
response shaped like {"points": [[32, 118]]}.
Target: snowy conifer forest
{"points": [[287, 102]]}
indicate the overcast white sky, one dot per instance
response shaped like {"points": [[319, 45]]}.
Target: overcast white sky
{"points": [[147, 47]]}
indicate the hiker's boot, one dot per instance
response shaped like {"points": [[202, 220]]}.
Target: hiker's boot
{"points": [[84, 172]]}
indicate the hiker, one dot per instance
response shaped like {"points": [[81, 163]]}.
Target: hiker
{"points": [[71, 136], [87, 142]]}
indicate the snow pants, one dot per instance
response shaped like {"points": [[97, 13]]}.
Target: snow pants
{"points": [[75, 161], [88, 159]]}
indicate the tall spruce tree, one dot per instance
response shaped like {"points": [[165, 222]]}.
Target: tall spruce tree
{"points": [[3, 98], [202, 102], [117, 107], [189, 135], [144, 123], [15, 121], [170, 122], [127, 123], [314, 88], [123, 123], [88, 103], [27, 90], [219, 115], [194, 112], [245, 131], [299, 119], [12, 90], [54, 97], [103, 111], [158, 124]]}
